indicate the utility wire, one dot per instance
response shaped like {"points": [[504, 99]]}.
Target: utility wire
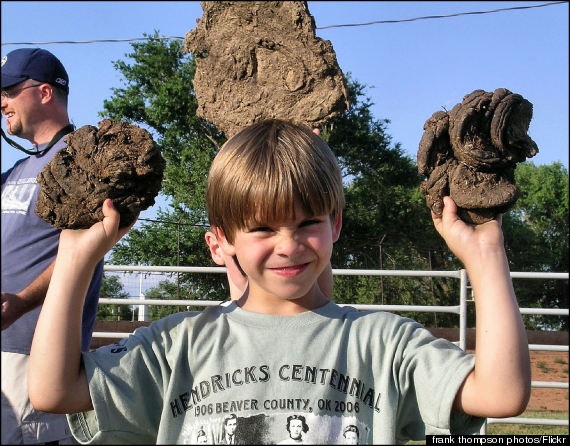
{"points": [[377, 22], [96, 41]]}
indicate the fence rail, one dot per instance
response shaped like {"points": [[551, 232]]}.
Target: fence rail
{"points": [[460, 310]]}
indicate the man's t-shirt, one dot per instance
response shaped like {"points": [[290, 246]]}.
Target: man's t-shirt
{"points": [[334, 366], [29, 245]]}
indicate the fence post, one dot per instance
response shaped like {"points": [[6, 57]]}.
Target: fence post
{"points": [[142, 308], [463, 310]]}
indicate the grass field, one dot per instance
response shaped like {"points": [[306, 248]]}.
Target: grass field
{"points": [[531, 429]]}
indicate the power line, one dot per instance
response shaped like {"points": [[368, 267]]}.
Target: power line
{"points": [[377, 22], [133, 39], [97, 41]]}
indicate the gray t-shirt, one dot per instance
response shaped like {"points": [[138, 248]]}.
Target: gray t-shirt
{"points": [[328, 369], [29, 245]]}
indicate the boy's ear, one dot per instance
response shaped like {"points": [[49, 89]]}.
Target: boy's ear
{"points": [[227, 248], [337, 225], [215, 249]]}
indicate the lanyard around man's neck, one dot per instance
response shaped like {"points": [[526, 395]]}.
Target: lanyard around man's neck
{"points": [[64, 131]]}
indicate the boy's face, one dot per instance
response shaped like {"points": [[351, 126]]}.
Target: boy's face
{"points": [[284, 259]]}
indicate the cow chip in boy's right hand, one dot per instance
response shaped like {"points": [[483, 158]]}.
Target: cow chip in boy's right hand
{"points": [[118, 161]]}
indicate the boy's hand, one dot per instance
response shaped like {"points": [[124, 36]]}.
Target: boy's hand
{"points": [[468, 242], [93, 243]]}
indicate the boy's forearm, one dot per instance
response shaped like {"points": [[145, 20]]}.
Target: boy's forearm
{"points": [[499, 385], [500, 382], [56, 380]]}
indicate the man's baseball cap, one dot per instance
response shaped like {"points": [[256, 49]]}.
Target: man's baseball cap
{"points": [[33, 63]]}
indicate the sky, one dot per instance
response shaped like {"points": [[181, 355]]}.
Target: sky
{"points": [[411, 69]]}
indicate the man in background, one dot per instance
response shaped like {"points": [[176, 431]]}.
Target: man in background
{"points": [[35, 88]]}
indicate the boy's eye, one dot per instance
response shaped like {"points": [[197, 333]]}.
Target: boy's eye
{"points": [[260, 229], [313, 221]]}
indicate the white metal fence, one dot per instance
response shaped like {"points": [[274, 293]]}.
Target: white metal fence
{"points": [[460, 310]]}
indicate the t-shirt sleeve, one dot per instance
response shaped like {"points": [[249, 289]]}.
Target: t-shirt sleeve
{"points": [[126, 383], [430, 372]]}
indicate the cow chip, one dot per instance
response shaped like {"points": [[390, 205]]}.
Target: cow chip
{"points": [[118, 161]]}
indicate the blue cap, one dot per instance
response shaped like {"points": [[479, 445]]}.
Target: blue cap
{"points": [[33, 63]]}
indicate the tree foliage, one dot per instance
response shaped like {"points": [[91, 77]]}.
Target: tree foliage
{"points": [[385, 221], [111, 288], [536, 238], [386, 224], [158, 95]]}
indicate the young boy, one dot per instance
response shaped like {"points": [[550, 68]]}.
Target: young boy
{"points": [[275, 202]]}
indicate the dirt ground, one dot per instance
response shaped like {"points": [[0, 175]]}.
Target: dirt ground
{"points": [[549, 366]]}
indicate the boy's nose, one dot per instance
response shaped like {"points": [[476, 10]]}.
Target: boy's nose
{"points": [[287, 245]]}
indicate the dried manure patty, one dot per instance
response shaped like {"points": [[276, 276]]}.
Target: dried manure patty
{"points": [[471, 152], [262, 60], [118, 161]]}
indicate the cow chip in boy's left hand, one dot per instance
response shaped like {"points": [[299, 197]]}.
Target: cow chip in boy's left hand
{"points": [[471, 152]]}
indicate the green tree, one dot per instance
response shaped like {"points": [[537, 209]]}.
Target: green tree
{"points": [[536, 238], [169, 289], [112, 288], [158, 95], [164, 290]]}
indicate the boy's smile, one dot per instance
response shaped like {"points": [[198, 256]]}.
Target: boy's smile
{"points": [[283, 261], [290, 271]]}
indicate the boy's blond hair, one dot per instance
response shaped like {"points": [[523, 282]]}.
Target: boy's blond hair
{"points": [[258, 174]]}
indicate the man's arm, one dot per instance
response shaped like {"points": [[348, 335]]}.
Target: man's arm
{"points": [[56, 379], [499, 385], [15, 306]]}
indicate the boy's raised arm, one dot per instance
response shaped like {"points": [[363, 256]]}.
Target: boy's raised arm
{"points": [[499, 385], [56, 379]]}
